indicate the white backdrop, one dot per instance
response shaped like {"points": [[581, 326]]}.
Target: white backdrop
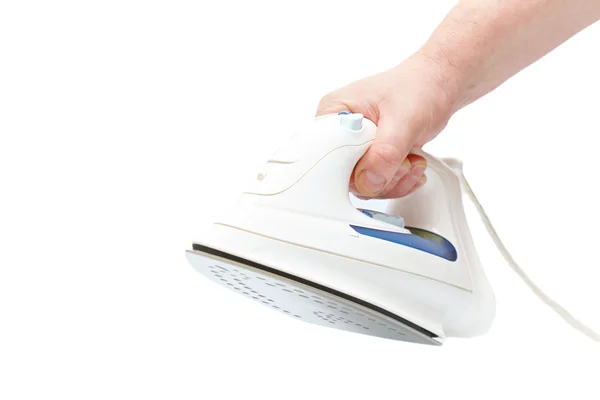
{"points": [[125, 126]]}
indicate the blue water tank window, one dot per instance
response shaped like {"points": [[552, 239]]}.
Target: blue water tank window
{"points": [[419, 239]]}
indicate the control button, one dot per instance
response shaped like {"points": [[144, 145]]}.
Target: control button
{"points": [[352, 121], [344, 112]]}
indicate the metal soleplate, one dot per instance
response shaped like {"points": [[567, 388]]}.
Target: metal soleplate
{"points": [[304, 300]]}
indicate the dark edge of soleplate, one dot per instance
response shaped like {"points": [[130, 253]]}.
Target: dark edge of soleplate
{"points": [[222, 254]]}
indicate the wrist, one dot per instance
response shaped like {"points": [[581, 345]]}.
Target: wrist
{"points": [[439, 84], [447, 79], [461, 46]]}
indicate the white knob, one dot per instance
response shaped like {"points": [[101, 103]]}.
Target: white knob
{"points": [[352, 121]]}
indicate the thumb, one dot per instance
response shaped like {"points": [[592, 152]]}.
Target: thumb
{"points": [[329, 106], [393, 142]]}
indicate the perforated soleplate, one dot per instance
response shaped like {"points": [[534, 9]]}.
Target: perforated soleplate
{"points": [[304, 300]]}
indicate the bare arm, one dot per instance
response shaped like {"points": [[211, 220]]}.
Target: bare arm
{"points": [[486, 42], [477, 47]]}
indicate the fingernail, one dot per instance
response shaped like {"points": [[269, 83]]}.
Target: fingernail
{"points": [[371, 181], [422, 180], [402, 171], [418, 168]]}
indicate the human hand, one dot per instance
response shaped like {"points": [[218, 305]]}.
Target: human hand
{"points": [[410, 104]]}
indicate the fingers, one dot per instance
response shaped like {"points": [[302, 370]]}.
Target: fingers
{"points": [[404, 183], [385, 163], [404, 169], [422, 181], [410, 181], [387, 170]]}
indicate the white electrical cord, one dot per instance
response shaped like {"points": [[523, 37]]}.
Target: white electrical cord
{"points": [[543, 296]]}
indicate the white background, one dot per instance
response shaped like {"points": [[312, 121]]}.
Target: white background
{"points": [[125, 126]]}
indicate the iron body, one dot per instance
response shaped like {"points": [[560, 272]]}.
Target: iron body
{"points": [[295, 243]]}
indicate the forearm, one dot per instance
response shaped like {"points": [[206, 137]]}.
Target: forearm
{"points": [[482, 43]]}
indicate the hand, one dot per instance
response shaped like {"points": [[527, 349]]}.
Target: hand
{"points": [[410, 104]]}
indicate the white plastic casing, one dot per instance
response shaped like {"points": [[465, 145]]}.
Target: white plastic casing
{"points": [[295, 216]]}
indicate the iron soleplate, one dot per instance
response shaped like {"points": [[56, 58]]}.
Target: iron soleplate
{"points": [[304, 300]]}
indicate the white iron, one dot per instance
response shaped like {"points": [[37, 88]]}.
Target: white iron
{"points": [[295, 243]]}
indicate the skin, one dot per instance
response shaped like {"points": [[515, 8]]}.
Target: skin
{"points": [[478, 46]]}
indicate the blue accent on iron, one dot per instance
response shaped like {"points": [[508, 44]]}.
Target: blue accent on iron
{"points": [[439, 246], [344, 112], [367, 213]]}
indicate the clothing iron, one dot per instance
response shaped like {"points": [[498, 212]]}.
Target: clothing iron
{"points": [[295, 243]]}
